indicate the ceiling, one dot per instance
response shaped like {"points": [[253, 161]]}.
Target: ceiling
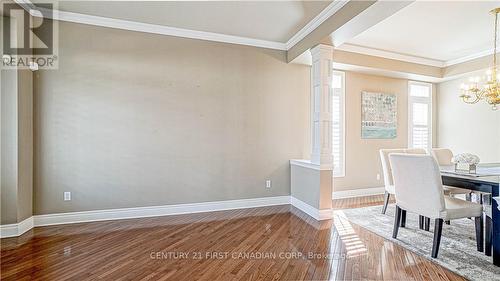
{"points": [[438, 30], [435, 33], [274, 21]]}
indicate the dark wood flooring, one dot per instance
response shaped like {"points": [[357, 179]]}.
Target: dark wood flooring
{"points": [[270, 243]]}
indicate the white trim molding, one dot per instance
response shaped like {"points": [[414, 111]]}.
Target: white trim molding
{"points": [[159, 29], [317, 214], [182, 32], [410, 58], [16, 229], [469, 57], [339, 172], [358, 192], [330, 10], [411, 124], [389, 55], [321, 105], [13, 230], [156, 211], [326, 13]]}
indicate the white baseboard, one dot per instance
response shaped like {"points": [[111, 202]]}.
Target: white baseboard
{"points": [[155, 211], [9, 230], [310, 210], [358, 192], [13, 230], [16, 229]]}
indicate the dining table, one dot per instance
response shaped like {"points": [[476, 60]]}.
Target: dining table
{"points": [[486, 178]]}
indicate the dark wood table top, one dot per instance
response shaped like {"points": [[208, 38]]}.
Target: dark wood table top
{"points": [[488, 173]]}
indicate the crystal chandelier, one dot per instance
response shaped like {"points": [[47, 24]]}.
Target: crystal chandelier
{"points": [[490, 90]]}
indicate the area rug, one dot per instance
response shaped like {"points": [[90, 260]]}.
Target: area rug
{"points": [[457, 251]]}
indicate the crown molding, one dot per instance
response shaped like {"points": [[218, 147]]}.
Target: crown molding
{"points": [[389, 55], [316, 21], [326, 13], [469, 57], [159, 29], [409, 58], [182, 32]]}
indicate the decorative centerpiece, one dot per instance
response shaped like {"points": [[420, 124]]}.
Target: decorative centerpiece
{"points": [[465, 162]]}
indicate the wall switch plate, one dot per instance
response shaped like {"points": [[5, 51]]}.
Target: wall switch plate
{"points": [[378, 177], [268, 183], [67, 196]]}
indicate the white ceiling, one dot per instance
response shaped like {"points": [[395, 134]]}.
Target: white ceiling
{"points": [[438, 30], [274, 21]]}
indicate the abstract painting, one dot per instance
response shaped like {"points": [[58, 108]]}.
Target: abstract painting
{"points": [[378, 116]]}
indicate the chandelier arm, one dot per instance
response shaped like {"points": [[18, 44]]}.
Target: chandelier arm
{"points": [[491, 92], [495, 48], [476, 100]]}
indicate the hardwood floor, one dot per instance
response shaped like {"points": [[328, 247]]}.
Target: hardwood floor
{"points": [[270, 243], [358, 202]]}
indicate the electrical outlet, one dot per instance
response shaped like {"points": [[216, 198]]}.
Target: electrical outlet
{"points": [[268, 183], [378, 177], [67, 196]]}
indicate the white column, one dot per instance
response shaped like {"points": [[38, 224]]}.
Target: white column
{"points": [[321, 119], [312, 180]]}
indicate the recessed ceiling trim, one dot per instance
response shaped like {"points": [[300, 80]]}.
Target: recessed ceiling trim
{"points": [[316, 21], [389, 55], [158, 29], [469, 57], [188, 33], [330, 10], [409, 58]]}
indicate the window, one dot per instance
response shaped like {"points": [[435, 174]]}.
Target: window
{"points": [[420, 115], [338, 125]]}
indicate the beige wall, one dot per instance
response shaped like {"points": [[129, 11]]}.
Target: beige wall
{"points": [[362, 158], [132, 119], [16, 143], [8, 153], [312, 186], [305, 184], [467, 128], [25, 142]]}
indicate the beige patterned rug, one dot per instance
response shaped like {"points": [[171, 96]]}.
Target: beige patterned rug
{"points": [[457, 251]]}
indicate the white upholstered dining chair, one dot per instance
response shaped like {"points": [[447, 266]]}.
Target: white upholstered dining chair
{"points": [[443, 156], [387, 171], [418, 189]]}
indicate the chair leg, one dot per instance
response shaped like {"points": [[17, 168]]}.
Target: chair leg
{"points": [[438, 228], [420, 222], [427, 224], [488, 235], [479, 233], [487, 199], [403, 218], [397, 219], [468, 197], [387, 196]]}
